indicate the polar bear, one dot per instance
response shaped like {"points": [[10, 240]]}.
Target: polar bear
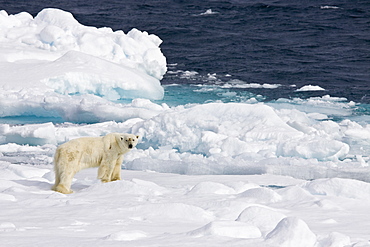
{"points": [[105, 152]]}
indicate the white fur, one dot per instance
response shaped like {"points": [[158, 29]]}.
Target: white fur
{"points": [[105, 152]]}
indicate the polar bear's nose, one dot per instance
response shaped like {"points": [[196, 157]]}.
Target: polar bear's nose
{"points": [[129, 146]]}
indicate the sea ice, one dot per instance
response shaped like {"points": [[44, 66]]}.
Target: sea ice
{"points": [[263, 153]]}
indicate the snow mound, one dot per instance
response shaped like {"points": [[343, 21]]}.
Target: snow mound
{"points": [[126, 236], [337, 239], [296, 194], [264, 195], [27, 172], [291, 232], [211, 187], [136, 187], [7, 197], [231, 229], [262, 217], [339, 187]]}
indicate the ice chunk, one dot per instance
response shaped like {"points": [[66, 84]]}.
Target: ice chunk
{"points": [[318, 148], [56, 17], [36, 134], [310, 88], [59, 54], [79, 73]]}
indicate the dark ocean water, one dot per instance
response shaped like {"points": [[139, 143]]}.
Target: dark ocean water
{"points": [[325, 43]]}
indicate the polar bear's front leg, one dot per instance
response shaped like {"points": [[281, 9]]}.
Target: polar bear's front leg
{"points": [[105, 170], [116, 175]]}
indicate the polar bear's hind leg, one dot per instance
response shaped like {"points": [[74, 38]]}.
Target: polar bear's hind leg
{"points": [[65, 167]]}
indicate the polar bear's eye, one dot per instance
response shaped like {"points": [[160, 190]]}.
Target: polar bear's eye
{"points": [[121, 138]]}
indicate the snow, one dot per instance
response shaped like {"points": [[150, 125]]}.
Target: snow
{"points": [[292, 172], [158, 209]]}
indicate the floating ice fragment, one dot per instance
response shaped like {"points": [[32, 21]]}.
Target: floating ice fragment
{"points": [[209, 12], [329, 7], [310, 88]]}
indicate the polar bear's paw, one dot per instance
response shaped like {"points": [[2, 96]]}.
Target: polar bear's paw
{"points": [[62, 189]]}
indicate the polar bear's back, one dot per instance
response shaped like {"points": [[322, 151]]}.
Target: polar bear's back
{"points": [[87, 151], [83, 143]]}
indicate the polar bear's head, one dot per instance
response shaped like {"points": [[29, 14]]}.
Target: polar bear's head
{"points": [[128, 140]]}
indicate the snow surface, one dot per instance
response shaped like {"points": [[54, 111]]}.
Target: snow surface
{"points": [[286, 173], [158, 209]]}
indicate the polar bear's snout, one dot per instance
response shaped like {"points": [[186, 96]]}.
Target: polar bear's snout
{"points": [[131, 142]]}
